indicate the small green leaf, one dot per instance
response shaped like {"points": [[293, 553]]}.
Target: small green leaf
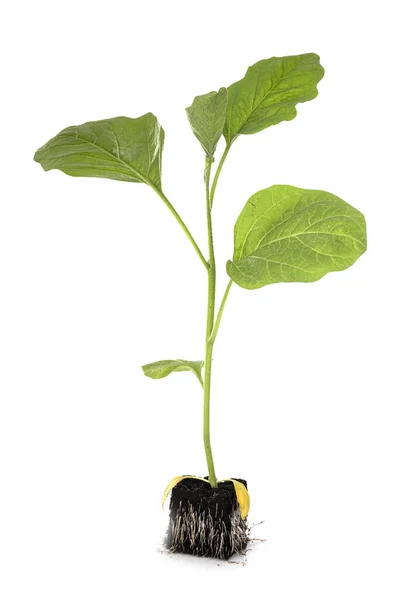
{"points": [[120, 148], [207, 119], [162, 368], [269, 92], [286, 233]]}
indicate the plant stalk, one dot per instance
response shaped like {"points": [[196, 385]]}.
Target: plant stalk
{"points": [[209, 328], [220, 313], [217, 173], [182, 224]]}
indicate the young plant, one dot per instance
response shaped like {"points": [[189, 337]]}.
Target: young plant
{"points": [[283, 234]]}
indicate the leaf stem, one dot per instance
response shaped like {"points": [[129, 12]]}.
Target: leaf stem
{"points": [[217, 173], [182, 224], [209, 328], [220, 313]]}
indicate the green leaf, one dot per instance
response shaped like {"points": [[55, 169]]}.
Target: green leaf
{"points": [[269, 92], [120, 148], [207, 119], [286, 233], [162, 368]]}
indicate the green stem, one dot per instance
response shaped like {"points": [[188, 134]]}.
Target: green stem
{"points": [[209, 328], [219, 315], [217, 174], [182, 224]]}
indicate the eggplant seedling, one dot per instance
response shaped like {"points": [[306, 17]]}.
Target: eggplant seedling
{"points": [[283, 234]]}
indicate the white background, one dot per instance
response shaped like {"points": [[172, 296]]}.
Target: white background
{"points": [[97, 279]]}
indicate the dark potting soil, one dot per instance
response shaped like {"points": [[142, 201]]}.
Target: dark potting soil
{"points": [[206, 521]]}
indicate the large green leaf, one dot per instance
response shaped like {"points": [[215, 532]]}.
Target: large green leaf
{"points": [[120, 148], [207, 118], [286, 233], [162, 368], [269, 92]]}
